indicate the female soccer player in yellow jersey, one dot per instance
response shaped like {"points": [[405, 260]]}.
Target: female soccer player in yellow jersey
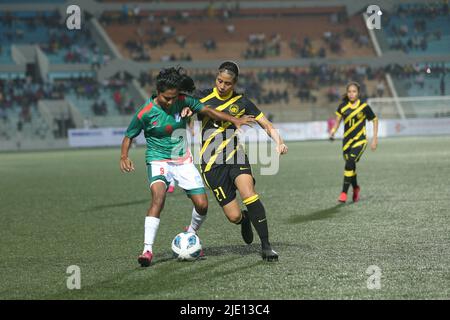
{"points": [[167, 156], [225, 166], [354, 112]]}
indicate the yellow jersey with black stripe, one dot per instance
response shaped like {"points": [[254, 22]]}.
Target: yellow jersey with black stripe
{"points": [[220, 143], [354, 117]]}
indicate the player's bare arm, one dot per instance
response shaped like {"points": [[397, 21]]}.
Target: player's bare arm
{"points": [[126, 165], [374, 143], [335, 127], [273, 133], [222, 116]]}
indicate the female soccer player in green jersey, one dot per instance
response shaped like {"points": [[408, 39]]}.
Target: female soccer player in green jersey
{"points": [[168, 157], [354, 112]]}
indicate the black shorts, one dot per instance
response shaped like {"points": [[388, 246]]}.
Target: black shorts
{"points": [[356, 150], [220, 180]]}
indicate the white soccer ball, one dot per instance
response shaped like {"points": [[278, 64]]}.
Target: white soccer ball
{"points": [[186, 246]]}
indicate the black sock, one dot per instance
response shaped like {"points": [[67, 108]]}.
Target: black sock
{"points": [[257, 215], [349, 172], [347, 182], [354, 182]]}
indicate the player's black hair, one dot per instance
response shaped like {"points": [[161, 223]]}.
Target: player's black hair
{"points": [[353, 83], [230, 67], [174, 78]]}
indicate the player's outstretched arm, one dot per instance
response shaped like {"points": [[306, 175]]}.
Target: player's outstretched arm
{"points": [[126, 165], [374, 143], [335, 127], [218, 115], [273, 133]]}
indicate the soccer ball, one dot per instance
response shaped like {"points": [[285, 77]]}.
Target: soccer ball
{"points": [[186, 246]]}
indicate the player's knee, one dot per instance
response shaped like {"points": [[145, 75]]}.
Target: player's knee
{"points": [[235, 217], [200, 203], [201, 207]]}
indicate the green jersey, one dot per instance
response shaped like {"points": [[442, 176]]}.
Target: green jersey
{"points": [[158, 125]]}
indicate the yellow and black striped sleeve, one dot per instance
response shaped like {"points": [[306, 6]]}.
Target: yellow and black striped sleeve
{"points": [[370, 115], [339, 110], [251, 109]]}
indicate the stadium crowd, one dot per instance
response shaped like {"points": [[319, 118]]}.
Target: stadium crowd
{"points": [[415, 37], [156, 31], [52, 36]]}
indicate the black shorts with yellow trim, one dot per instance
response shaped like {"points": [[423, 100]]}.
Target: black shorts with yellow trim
{"points": [[220, 179], [356, 150]]}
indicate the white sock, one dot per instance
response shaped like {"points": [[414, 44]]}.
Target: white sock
{"points": [[151, 227], [196, 221]]}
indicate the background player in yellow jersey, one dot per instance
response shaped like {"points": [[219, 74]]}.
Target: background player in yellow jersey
{"points": [[225, 166], [354, 112]]}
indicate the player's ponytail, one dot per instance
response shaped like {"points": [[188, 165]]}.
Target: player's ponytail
{"points": [[353, 83], [174, 78]]}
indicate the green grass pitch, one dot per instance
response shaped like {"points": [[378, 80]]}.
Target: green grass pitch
{"points": [[76, 208]]}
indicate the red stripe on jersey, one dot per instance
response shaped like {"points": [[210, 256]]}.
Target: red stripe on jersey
{"points": [[144, 110], [181, 97]]}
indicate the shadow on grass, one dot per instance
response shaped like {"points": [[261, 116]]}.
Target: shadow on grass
{"points": [[317, 215], [132, 203], [251, 249], [120, 204], [172, 279], [242, 250], [167, 278]]}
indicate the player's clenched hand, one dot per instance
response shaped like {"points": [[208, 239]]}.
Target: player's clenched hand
{"points": [[282, 149], [374, 144], [245, 120], [331, 137], [186, 112], [126, 165]]}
